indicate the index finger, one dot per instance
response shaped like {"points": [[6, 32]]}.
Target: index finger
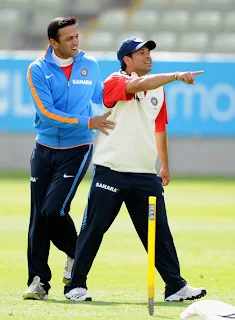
{"points": [[107, 114], [195, 73]]}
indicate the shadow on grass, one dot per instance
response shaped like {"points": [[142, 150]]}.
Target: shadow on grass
{"points": [[115, 303], [180, 305]]}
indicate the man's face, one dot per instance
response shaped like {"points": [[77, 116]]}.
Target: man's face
{"points": [[140, 61], [67, 46]]}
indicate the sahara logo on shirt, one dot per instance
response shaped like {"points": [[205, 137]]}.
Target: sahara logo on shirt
{"points": [[106, 187], [87, 82]]}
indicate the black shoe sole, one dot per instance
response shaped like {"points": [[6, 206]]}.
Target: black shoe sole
{"points": [[202, 294], [88, 299]]}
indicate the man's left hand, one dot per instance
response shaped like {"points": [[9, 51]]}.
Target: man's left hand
{"points": [[165, 174]]}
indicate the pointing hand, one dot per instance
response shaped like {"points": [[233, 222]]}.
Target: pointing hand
{"points": [[187, 77]]}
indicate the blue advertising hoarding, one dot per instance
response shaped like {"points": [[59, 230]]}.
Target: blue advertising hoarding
{"points": [[205, 109]]}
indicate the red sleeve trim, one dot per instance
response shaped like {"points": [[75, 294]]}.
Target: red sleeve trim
{"points": [[115, 90]]}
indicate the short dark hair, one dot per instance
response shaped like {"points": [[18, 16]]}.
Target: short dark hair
{"points": [[58, 23], [123, 65]]}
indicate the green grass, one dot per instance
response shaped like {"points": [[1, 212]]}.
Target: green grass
{"points": [[201, 216]]}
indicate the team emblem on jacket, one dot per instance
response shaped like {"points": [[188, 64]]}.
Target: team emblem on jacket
{"points": [[154, 101], [84, 72]]}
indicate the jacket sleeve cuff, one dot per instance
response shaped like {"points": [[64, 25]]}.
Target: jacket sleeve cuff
{"points": [[89, 123], [83, 122]]}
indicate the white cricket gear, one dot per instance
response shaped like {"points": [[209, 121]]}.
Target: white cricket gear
{"points": [[187, 293], [78, 294], [35, 291]]}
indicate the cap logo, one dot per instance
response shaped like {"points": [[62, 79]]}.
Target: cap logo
{"points": [[137, 40]]}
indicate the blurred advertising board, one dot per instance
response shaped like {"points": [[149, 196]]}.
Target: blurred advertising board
{"points": [[205, 109]]}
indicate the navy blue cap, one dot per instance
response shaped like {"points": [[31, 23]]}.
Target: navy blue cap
{"points": [[131, 45]]}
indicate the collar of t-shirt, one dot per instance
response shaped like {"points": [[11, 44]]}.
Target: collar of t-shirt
{"points": [[65, 64], [61, 62]]}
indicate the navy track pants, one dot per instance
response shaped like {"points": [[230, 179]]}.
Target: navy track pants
{"points": [[55, 176], [108, 191]]}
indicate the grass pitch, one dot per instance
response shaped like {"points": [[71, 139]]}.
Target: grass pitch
{"points": [[201, 215]]}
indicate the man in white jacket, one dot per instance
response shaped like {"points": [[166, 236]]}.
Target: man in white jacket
{"points": [[125, 169]]}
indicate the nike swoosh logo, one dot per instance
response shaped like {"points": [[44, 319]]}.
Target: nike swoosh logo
{"points": [[47, 77], [67, 176]]}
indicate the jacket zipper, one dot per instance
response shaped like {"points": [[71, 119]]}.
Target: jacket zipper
{"points": [[67, 95], [67, 98]]}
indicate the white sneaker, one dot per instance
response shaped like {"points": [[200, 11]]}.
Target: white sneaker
{"points": [[35, 291], [187, 293], [68, 269], [78, 294]]}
